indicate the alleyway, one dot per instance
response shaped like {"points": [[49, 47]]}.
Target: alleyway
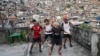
{"points": [[21, 50]]}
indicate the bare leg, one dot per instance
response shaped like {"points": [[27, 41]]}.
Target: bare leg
{"points": [[31, 48], [70, 40], [40, 47], [50, 40], [43, 41], [65, 43], [59, 50], [51, 50], [50, 43]]}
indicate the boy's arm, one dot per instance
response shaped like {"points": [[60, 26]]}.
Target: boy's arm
{"points": [[43, 28], [71, 24], [28, 33]]}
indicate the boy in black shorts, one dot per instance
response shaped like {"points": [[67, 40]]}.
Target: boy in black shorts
{"points": [[67, 32], [36, 32], [47, 31], [56, 38]]}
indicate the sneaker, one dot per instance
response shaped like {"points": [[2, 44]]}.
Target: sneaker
{"points": [[64, 46], [71, 45], [40, 51], [30, 52], [42, 46], [49, 45]]}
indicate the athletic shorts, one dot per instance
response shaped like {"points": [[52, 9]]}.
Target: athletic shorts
{"points": [[67, 36], [36, 40], [47, 36], [57, 41]]}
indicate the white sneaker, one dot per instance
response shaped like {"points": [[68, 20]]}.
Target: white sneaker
{"points": [[41, 46], [49, 45]]}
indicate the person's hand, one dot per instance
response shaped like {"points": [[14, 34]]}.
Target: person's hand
{"points": [[68, 33], [56, 33]]}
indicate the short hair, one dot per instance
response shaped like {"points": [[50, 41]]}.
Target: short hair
{"points": [[46, 20], [33, 20], [55, 23]]}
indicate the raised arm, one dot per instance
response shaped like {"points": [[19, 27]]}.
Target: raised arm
{"points": [[71, 24]]}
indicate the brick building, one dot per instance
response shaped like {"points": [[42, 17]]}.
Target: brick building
{"points": [[95, 1]]}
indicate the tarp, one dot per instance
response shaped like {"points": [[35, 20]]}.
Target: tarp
{"points": [[98, 18]]}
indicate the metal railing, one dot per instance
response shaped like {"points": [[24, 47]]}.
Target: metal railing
{"points": [[3, 36], [82, 36]]}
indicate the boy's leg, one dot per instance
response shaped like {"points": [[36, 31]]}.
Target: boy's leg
{"points": [[45, 38], [52, 45], [39, 42], [59, 50], [51, 49], [43, 41], [65, 40], [31, 47], [50, 40], [70, 40], [59, 42], [40, 47]]}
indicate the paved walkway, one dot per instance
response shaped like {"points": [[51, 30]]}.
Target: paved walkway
{"points": [[76, 50], [13, 50], [21, 50]]}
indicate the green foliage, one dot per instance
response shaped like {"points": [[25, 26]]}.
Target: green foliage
{"points": [[82, 7], [38, 4], [85, 26], [68, 5]]}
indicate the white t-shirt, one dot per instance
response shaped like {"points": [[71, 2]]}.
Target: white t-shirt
{"points": [[48, 28], [66, 28]]}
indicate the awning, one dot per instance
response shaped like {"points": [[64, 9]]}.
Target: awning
{"points": [[98, 18]]}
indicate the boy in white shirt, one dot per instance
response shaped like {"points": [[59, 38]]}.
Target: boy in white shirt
{"points": [[47, 31], [67, 33]]}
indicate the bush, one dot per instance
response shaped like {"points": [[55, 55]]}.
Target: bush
{"points": [[86, 26]]}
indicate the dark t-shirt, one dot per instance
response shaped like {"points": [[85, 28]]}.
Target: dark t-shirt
{"points": [[56, 32]]}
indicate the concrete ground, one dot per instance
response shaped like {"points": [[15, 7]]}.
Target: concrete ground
{"points": [[23, 48], [76, 50], [16, 49]]}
